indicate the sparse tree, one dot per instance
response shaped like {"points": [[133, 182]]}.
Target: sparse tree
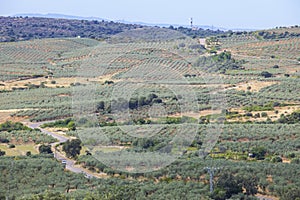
{"points": [[72, 148], [45, 149]]}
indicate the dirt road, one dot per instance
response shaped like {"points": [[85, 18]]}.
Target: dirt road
{"points": [[70, 164]]}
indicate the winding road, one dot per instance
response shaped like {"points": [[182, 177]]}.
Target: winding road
{"points": [[70, 164]]}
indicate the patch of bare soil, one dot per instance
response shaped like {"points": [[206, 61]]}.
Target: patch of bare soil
{"points": [[197, 115], [6, 115], [53, 82], [252, 86], [260, 196], [273, 114], [210, 112], [285, 160]]}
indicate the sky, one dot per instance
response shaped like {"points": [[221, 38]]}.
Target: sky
{"points": [[253, 14]]}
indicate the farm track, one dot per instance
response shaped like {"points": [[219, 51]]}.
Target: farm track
{"points": [[70, 163]]}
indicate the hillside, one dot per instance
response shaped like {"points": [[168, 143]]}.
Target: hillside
{"points": [[154, 110], [19, 28], [26, 28]]}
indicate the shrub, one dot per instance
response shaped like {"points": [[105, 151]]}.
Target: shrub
{"points": [[46, 149], [248, 114], [259, 152], [266, 74], [291, 155], [276, 159], [2, 153], [257, 115], [4, 140], [264, 114], [295, 161]]}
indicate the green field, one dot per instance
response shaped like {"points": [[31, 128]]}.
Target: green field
{"points": [[232, 104]]}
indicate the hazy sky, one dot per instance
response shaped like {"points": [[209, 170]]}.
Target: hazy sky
{"points": [[221, 13]]}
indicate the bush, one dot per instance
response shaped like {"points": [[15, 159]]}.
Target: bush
{"points": [[295, 161], [276, 104], [291, 155], [2, 153], [259, 152], [11, 146], [248, 114], [13, 126], [46, 149], [257, 115], [107, 82], [4, 140], [72, 148], [266, 74], [276, 159]]}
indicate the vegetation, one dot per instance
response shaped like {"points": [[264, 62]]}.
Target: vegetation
{"points": [[293, 118], [138, 79], [2, 153], [67, 123], [219, 63], [72, 148], [38, 28], [45, 149], [11, 126], [199, 32]]}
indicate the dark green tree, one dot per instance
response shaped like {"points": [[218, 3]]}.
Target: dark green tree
{"points": [[276, 159], [45, 149], [28, 153], [226, 186], [266, 74], [291, 193], [259, 152], [2, 153], [100, 106], [71, 126], [249, 182], [72, 148]]}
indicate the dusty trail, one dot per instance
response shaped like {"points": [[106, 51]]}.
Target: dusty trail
{"points": [[70, 163]]}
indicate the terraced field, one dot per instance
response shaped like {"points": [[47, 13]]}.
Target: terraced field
{"points": [[169, 100]]}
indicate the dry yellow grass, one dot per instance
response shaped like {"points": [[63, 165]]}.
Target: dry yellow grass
{"points": [[254, 85], [271, 114], [19, 149], [197, 115], [57, 82], [5, 115]]}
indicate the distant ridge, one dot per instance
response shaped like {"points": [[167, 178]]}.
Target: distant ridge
{"points": [[62, 16], [59, 16]]}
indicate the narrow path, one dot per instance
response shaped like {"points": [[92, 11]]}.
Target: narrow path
{"points": [[70, 163]]}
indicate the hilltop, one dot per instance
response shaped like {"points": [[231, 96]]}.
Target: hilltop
{"points": [[27, 28]]}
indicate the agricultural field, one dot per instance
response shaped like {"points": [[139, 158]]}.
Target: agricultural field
{"points": [[152, 109]]}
